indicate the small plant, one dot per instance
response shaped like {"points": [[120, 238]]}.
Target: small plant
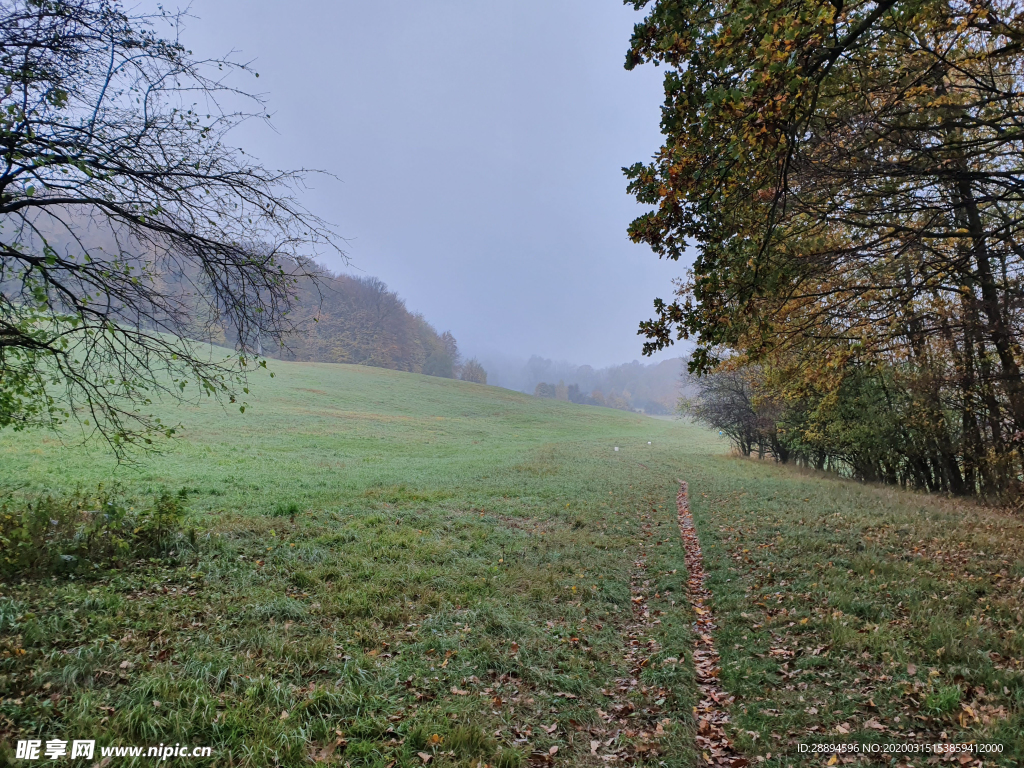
{"points": [[471, 741], [79, 533], [424, 736], [286, 510], [943, 701], [302, 580], [508, 758]]}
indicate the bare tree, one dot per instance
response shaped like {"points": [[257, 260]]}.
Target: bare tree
{"points": [[737, 403], [129, 227]]}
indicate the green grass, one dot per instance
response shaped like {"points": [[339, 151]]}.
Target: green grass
{"points": [[861, 614], [369, 541], [407, 564]]}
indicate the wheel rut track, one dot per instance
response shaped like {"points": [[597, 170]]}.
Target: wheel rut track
{"points": [[712, 713]]}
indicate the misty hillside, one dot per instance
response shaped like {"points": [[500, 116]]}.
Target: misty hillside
{"points": [[358, 320], [653, 388]]}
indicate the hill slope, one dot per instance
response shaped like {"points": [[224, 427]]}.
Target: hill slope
{"points": [[387, 564], [315, 431]]}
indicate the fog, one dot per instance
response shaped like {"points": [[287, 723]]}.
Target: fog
{"points": [[478, 149], [653, 387]]}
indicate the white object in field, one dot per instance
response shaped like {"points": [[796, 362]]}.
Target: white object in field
{"points": [[616, 447], [648, 442]]}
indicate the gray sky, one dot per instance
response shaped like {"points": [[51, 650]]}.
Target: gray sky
{"points": [[478, 146]]}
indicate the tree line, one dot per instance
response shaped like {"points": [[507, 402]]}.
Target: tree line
{"points": [[339, 318], [852, 176], [572, 393], [653, 388]]}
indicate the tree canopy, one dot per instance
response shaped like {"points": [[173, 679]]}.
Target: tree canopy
{"points": [[850, 175]]}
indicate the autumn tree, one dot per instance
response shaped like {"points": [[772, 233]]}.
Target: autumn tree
{"points": [[130, 225], [545, 390], [339, 318], [443, 358], [473, 371], [852, 177]]}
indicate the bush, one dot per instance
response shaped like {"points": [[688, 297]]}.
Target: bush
{"points": [[81, 532]]}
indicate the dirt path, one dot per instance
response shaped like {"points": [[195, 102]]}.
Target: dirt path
{"points": [[712, 715]]}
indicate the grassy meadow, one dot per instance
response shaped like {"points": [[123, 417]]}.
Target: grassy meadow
{"points": [[387, 569]]}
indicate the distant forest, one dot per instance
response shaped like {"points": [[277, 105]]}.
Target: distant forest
{"points": [[654, 388], [358, 320]]}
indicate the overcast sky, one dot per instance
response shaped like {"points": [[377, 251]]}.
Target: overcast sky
{"points": [[478, 147]]}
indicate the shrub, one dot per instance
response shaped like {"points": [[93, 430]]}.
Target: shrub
{"points": [[82, 532]]}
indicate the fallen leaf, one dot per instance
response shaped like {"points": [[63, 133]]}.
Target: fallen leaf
{"points": [[550, 728], [284, 714], [324, 755], [425, 757], [593, 747], [553, 751], [911, 670], [459, 692]]}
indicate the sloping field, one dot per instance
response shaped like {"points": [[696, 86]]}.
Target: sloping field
{"points": [[389, 569]]}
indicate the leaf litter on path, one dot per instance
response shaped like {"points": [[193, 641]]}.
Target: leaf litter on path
{"points": [[711, 713]]}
